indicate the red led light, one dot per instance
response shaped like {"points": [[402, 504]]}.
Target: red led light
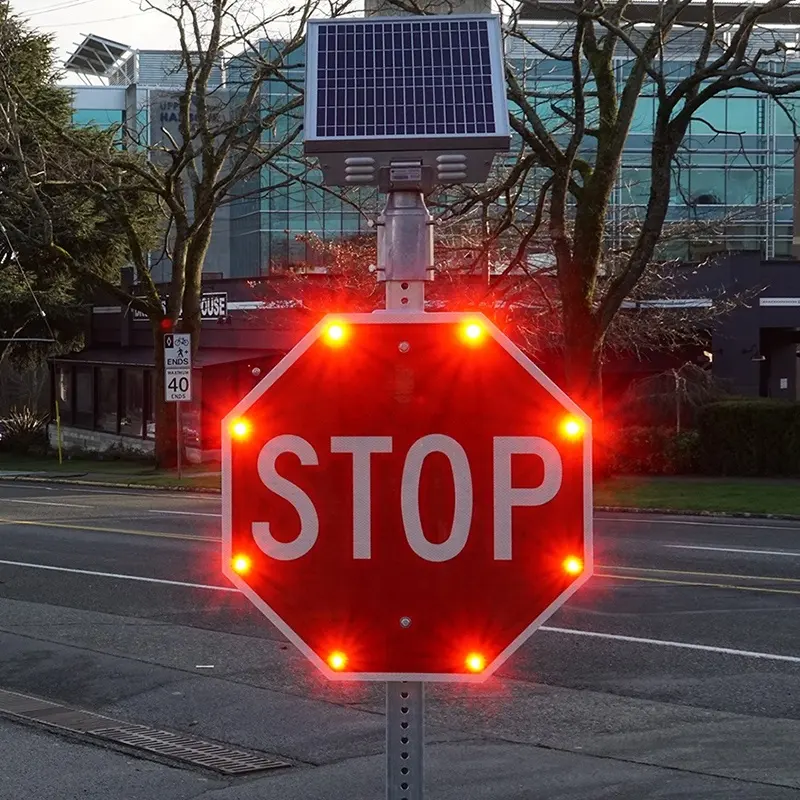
{"points": [[337, 661], [572, 428], [240, 428], [472, 332], [241, 564], [475, 662], [573, 565], [335, 334]]}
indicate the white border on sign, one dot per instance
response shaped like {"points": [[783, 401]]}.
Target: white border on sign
{"points": [[390, 317]]}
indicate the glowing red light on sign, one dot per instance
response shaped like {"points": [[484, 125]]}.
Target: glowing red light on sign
{"points": [[475, 662], [241, 428], [572, 428], [472, 332], [241, 564], [337, 661], [335, 334], [573, 565]]}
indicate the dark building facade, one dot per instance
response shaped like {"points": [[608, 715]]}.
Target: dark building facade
{"points": [[106, 393]]}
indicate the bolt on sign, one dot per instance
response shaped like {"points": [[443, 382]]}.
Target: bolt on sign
{"points": [[406, 496]]}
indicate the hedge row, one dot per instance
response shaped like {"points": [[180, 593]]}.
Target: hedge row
{"points": [[732, 437], [749, 437]]}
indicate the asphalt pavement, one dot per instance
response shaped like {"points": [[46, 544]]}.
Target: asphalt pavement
{"points": [[675, 672]]}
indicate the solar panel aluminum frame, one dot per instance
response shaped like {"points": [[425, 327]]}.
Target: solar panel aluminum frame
{"points": [[375, 154]]}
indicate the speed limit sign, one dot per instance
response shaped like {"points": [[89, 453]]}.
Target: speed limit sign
{"points": [[177, 367]]}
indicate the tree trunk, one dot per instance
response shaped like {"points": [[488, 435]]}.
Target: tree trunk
{"points": [[166, 435], [583, 365]]}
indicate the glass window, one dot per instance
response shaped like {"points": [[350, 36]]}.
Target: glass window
{"points": [[710, 117], [132, 403], [150, 411], [635, 186], [787, 112], [742, 186], [107, 399], [643, 115], [64, 392], [707, 186], [784, 183], [743, 114], [84, 397], [102, 117]]}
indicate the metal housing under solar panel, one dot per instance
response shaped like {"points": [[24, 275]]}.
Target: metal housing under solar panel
{"points": [[401, 101]]}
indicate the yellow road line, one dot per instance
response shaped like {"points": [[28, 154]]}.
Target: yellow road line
{"points": [[697, 583], [94, 529], [703, 574]]}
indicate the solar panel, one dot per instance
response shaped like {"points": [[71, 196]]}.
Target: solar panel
{"points": [[429, 76], [404, 79], [405, 85]]}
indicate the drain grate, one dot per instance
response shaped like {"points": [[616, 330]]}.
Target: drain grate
{"points": [[168, 744]]}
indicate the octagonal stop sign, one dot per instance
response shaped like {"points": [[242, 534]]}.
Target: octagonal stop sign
{"points": [[406, 496]]}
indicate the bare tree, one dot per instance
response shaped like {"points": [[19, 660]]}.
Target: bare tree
{"points": [[571, 133], [235, 111], [583, 157]]}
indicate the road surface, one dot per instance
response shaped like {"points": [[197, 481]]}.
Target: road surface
{"points": [[674, 673]]}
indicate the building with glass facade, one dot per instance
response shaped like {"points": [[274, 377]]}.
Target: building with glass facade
{"points": [[736, 164]]}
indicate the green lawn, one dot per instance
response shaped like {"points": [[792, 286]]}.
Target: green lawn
{"points": [[140, 473], [748, 495]]}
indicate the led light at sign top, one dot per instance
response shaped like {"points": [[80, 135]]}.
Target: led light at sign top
{"points": [[241, 564], [335, 333], [572, 427], [573, 565], [475, 662], [473, 332], [337, 661], [240, 428]]}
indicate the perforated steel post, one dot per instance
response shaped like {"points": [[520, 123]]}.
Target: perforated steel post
{"points": [[405, 740], [405, 262]]}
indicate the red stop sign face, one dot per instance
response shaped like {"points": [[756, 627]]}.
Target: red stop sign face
{"points": [[407, 497]]}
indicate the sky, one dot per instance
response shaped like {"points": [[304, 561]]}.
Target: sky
{"points": [[120, 20]]}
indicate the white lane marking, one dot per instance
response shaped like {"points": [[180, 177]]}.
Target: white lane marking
{"points": [[734, 550], [184, 513], [40, 503], [680, 645], [568, 631], [118, 576], [743, 524]]}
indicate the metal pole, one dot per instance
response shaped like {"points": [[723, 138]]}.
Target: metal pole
{"points": [[178, 435], [405, 262], [405, 740]]}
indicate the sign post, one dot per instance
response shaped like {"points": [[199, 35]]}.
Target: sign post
{"points": [[178, 380]]}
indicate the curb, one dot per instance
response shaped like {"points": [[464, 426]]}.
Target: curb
{"points": [[670, 512], [109, 484]]}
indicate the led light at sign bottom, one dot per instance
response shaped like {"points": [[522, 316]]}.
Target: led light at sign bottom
{"points": [[241, 564], [475, 662], [337, 661]]}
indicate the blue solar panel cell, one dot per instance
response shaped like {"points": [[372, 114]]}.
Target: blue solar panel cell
{"points": [[402, 78]]}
